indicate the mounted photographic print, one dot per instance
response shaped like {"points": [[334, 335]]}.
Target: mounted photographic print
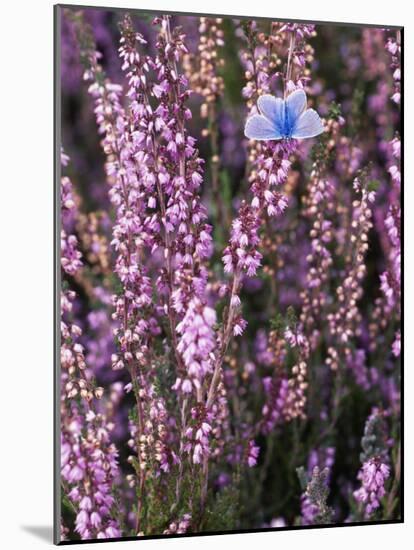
{"points": [[228, 278]]}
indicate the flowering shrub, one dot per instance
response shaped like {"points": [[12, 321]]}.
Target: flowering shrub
{"points": [[230, 308]]}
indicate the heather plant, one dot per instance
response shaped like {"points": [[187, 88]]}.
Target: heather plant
{"points": [[230, 331]]}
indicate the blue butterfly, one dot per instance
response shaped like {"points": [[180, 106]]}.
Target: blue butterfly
{"points": [[283, 119]]}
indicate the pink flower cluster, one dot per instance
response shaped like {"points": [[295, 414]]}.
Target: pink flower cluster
{"points": [[373, 475]]}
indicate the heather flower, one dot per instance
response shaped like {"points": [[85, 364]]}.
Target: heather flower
{"points": [[252, 454], [74, 379], [242, 255], [393, 47], [71, 256], [314, 506], [88, 462], [396, 346], [90, 466], [345, 321], [318, 209], [391, 278], [197, 343], [297, 384], [197, 435], [203, 74], [373, 475], [375, 463], [180, 526]]}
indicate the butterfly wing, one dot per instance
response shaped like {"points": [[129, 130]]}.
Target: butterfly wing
{"points": [[307, 125], [260, 128], [296, 104], [273, 109]]}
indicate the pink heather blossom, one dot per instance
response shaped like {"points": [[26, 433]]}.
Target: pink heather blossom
{"points": [[373, 475], [252, 454], [396, 346], [197, 342]]}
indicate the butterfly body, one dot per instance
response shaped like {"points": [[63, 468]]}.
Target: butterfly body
{"points": [[287, 125], [283, 119]]}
